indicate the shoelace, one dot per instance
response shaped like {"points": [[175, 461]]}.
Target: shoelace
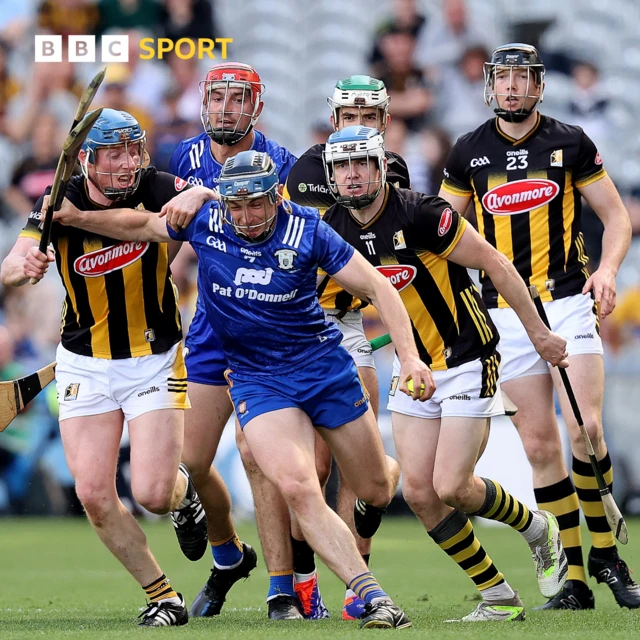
{"points": [[542, 562], [151, 606], [623, 569]]}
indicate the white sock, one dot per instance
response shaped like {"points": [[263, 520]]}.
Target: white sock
{"points": [[536, 529], [185, 501], [499, 592], [174, 600], [349, 594], [303, 577]]}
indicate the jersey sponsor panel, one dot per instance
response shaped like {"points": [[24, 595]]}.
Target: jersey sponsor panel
{"points": [[526, 200], [120, 300], [449, 320]]}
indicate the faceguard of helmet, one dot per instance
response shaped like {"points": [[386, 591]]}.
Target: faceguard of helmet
{"points": [[220, 80], [360, 92], [116, 129], [244, 177], [349, 144], [513, 56]]}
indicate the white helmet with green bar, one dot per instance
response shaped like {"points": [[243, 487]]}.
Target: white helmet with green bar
{"points": [[360, 92]]}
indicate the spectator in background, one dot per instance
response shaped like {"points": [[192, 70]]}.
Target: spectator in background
{"points": [[187, 19], [51, 88], [186, 76], [589, 103], [32, 176], [115, 96], [406, 84], [67, 17], [147, 80], [127, 14], [405, 17], [9, 85], [320, 132], [170, 129], [460, 104], [436, 146], [444, 39], [398, 140]]}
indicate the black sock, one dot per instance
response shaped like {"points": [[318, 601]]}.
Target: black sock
{"points": [[303, 557]]}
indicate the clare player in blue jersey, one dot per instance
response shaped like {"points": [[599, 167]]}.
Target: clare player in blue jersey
{"points": [[288, 373], [231, 105]]}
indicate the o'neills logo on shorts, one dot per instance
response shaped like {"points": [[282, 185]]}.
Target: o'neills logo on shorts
{"points": [[400, 275], [103, 261], [519, 196]]}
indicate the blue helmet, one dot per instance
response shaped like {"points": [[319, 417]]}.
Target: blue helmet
{"points": [[247, 176], [347, 145], [113, 129]]}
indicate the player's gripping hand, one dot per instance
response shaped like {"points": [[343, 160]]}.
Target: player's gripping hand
{"points": [[181, 209], [552, 347], [68, 214], [416, 372], [603, 284], [36, 263]]}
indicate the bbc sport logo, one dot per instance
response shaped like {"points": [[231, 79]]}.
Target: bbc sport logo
{"points": [[114, 48]]}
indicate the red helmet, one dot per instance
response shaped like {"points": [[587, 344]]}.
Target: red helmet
{"points": [[220, 81]]}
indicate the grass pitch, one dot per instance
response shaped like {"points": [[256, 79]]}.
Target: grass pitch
{"points": [[58, 581]]}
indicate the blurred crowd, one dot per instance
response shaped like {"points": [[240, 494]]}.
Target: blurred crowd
{"points": [[430, 55]]}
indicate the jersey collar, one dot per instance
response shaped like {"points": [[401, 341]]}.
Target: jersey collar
{"points": [[514, 141], [378, 215]]}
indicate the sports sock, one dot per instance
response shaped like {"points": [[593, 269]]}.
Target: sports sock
{"points": [[455, 536], [303, 557], [366, 557], [590, 501], [228, 553], [561, 499], [366, 587], [500, 505], [280, 584], [160, 589]]}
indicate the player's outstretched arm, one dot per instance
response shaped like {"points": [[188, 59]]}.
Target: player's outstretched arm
{"points": [[474, 252], [121, 224], [24, 262], [359, 278], [604, 199]]}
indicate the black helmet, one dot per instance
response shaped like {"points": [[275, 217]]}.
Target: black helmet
{"points": [[512, 56]]}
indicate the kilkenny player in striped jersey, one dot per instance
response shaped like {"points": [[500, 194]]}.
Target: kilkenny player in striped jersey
{"points": [[120, 355], [423, 247], [526, 174]]}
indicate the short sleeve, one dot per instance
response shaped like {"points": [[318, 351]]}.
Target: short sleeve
{"points": [[456, 181], [160, 187], [589, 166], [436, 227], [33, 227], [331, 252]]}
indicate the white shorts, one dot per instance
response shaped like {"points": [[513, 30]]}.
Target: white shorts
{"points": [[90, 386], [354, 339], [574, 318], [459, 392]]}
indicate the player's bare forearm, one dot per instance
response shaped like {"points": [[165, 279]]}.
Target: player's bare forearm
{"points": [[12, 272], [121, 224], [604, 199]]}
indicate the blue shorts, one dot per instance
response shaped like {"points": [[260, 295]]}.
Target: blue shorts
{"points": [[328, 389], [205, 361]]}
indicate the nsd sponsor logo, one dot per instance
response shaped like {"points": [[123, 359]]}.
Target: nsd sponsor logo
{"points": [[400, 275], [99, 263], [519, 196]]}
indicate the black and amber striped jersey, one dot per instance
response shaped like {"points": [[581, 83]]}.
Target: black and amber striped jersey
{"points": [[527, 201], [120, 299], [409, 240], [307, 185]]}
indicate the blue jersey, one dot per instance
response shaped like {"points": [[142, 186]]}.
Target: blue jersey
{"points": [[193, 161], [261, 297]]}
